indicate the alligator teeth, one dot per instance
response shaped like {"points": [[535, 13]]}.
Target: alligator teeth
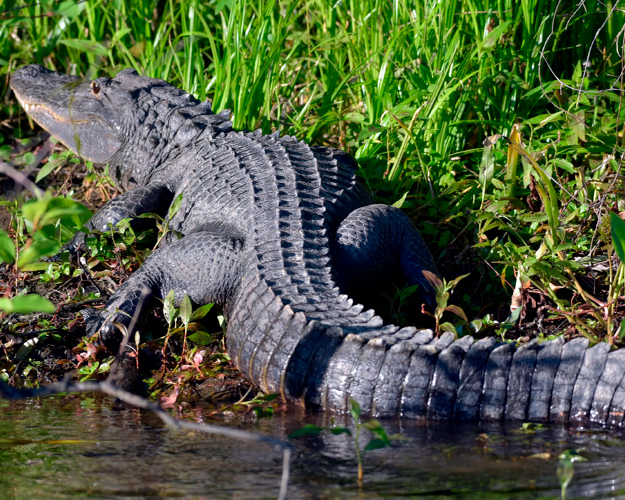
{"points": [[24, 105]]}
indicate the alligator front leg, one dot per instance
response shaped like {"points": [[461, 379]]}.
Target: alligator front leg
{"points": [[151, 198], [203, 265]]}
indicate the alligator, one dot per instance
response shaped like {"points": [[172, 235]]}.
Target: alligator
{"points": [[281, 234]]}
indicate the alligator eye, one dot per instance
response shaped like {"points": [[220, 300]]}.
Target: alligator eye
{"points": [[95, 88]]}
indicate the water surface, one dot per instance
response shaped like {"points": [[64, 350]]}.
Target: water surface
{"points": [[88, 447]]}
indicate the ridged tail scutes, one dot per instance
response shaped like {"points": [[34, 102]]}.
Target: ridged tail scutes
{"points": [[412, 374], [324, 355]]}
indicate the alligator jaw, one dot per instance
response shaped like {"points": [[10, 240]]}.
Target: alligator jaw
{"points": [[64, 106], [36, 110]]}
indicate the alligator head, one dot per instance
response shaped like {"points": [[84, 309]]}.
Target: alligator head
{"points": [[126, 121], [85, 116]]}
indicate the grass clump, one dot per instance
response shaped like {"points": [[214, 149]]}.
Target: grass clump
{"points": [[497, 126]]}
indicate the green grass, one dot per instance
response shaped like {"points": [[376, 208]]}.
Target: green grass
{"points": [[412, 90]]}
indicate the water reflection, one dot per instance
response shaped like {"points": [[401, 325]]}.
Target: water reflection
{"points": [[86, 447]]}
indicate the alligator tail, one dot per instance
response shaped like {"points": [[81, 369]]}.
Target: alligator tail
{"points": [[325, 356], [441, 379]]}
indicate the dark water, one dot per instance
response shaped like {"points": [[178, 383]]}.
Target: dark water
{"points": [[81, 447]]}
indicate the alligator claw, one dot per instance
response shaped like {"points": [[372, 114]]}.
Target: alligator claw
{"points": [[124, 370], [102, 323], [76, 246]]}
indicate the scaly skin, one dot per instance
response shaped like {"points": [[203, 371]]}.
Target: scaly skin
{"points": [[279, 234]]}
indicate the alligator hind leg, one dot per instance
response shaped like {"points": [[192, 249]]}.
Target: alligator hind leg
{"points": [[378, 244], [204, 265]]}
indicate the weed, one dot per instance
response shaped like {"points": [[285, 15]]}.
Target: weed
{"points": [[380, 438]]}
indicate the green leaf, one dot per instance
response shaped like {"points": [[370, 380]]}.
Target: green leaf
{"points": [[564, 165], [340, 430], [267, 397], [492, 38], [7, 248], [433, 280], [541, 217], [542, 120], [200, 338], [399, 203], [36, 250], [376, 444], [51, 165], [26, 304], [618, 235], [200, 312], [186, 310], [86, 46], [175, 206], [457, 311], [476, 325], [33, 210], [307, 430], [169, 309], [487, 167], [453, 283], [376, 427], [67, 211], [354, 409], [448, 327], [441, 299]]}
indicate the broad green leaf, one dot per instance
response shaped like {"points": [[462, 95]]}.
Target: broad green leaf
{"points": [[169, 309], [565, 165], [35, 266], [70, 9], [200, 312], [434, 280], [399, 203], [457, 311], [542, 120], [376, 427], [200, 338], [376, 444], [175, 206], [448, 327], [36, 250], [25, 304], [52, 163], [441, 299], [476, 325], [68, 211], [497, 206], [618, 235], [186, 310], [340, 430], [7, 248], [33, 210], [307, 430]]}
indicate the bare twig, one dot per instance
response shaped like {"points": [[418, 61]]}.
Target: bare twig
{"points": [[20, 178], [107, 387]]}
